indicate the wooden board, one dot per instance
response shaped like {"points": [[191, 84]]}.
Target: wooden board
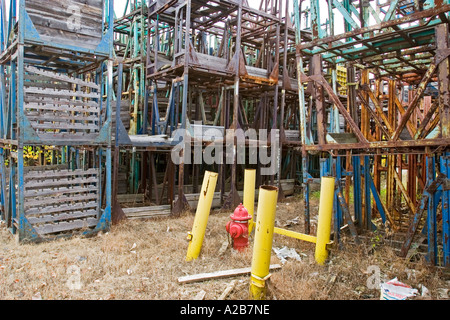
{"points": [[60, 200], [147, 212], [72, 22], [61, 105], [221, 274]]}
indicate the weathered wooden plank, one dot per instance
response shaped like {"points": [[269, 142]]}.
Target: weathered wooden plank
{"points": [[75, 23], [52, 209], [34, 81], [66, 226], [221, 274], [68, 136], [62, 216], [43, 174], [62, 77], [63, 118], [64, 125], [29, 108], [32, 101], [147, 212], [227, 290], [57, 191], [60, 200], [59, 182], [61, 93]]}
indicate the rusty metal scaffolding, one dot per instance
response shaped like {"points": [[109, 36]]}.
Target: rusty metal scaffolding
{"points": [[387, 138], [197, 80], [354, 89]]}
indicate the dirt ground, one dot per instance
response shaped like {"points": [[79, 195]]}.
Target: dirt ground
{"points": [[143, 259]]}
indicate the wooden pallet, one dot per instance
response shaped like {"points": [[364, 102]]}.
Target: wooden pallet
{"points": [[61, 200], [61, 107]]}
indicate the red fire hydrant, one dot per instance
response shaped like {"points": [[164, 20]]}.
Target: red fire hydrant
{"points": [[238, 227]]}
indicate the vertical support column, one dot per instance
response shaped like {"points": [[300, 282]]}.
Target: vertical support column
{"points": [[201, 216], [324, 219], [391, 159], [20, 125], [357, 196], [302, 116], [443, 73], [117, 213], [233, 198], [17, 97], [316, 65], [262, 248], [181, 202], [445, 169], [249, 195], [367, 199], [431, 213], [337, 208]]}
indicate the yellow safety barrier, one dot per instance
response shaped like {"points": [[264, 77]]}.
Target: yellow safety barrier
{"points": [[324, 219], [249, 195], [201, 215], [262, 248]]}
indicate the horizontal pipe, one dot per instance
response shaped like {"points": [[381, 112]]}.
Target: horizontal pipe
{"points": [[295, 235]]}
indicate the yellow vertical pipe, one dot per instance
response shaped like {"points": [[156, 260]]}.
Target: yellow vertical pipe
{"points": [[201, 215], [249, 194], [262, 247], [324, 219]]}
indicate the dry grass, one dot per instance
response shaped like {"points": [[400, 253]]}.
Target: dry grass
{"points": [[110, 268]]}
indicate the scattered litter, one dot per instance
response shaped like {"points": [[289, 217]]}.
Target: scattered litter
{"points": [[286, 252], [396, 290], [134, 246], [129, 271], [288, 223], [424, 291], [227, 290], [223, 248], [442, 293], [296, 220], [200, 295], [36, 296]]}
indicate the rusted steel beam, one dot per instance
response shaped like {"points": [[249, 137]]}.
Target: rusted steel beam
{"points": [[365, 121], [386, 130], [421, 129], [383, 25], [381, 145], [413, 226], [419, 212], [411, 127], [347, 216], [319, 99], [335, 99], [413, 104], [409, 202], [442, 40]]}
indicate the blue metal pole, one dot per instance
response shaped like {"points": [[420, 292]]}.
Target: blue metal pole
{"points": [[367, 198], [357, 188], [431, 216], [338, 219], [445, 169]]}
